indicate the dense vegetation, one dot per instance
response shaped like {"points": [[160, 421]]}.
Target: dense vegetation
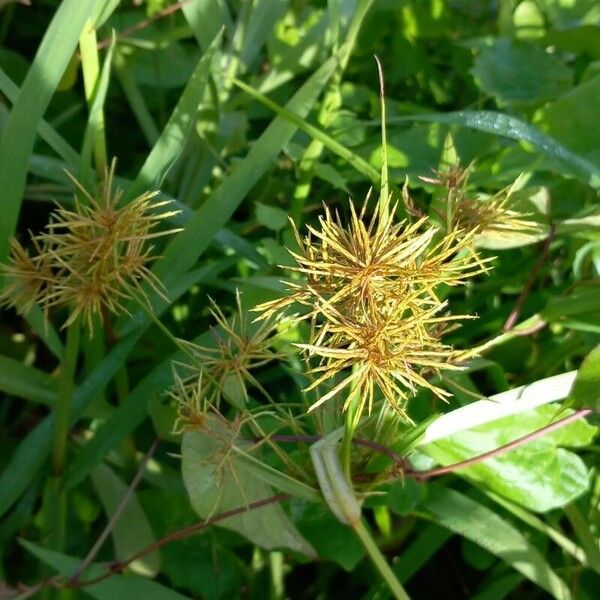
{"points": [[219, 378]]}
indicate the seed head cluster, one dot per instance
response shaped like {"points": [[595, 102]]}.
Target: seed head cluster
{"points": [[494, 217], [91, 258], [371, 294], [224, 369]]}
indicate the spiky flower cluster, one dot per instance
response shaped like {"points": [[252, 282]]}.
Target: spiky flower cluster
{"points": [[224, 370], [493, 217], [90, 259], [371, 296]]}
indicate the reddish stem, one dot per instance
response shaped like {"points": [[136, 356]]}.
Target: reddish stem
{"points": [[516, 311], [144, 23], [424, 475]]}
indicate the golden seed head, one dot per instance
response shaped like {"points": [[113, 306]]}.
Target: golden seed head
{"points": [[226, 367], [91, 258], [371, 297]]}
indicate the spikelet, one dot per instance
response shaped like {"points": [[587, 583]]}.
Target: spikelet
{"points": [[92, 258]]}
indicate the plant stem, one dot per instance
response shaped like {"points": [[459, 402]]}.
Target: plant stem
{"points": [[346, 446], [90, 66], [379, 561], [63, 401]]}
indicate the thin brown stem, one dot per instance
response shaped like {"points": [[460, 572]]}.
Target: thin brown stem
{"points": [[539, 263], [89, 559], [144, 23], [311, 439], [116, 567], [180, 534], [424, 475]]}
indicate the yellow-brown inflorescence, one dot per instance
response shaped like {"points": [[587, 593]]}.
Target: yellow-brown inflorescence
{"points": [[225, 368], [371, 296], [493, 217], [91, 258]]}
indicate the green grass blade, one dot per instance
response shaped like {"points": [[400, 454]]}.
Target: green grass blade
{"points": [[132, 531], [34, 448], [476, 522], [126, 418], [205, 18], [26, 382], [589, 542], [97, 81], [172, 140], [45, 130], [114, 587], [135, 98], [132, 411], [330, 104], [43, 77], [515, 129], [45, 330], [359, 163], [183, 251]]}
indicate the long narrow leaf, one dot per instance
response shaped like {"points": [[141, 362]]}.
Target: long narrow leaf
{"points": [[116, 586], [26, 382], [359, 163], [515, 129], [175, 134], [482, 526], [35, 447], [45, 130], [41, 81], [185, 249]]}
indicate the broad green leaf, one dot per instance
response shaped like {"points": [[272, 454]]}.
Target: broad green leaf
{"points": [[538, 475], [217, 481], [172, 140], [331, 539], [585, 392], [132, 531], [472, 520], [516, 401], [520, 72], [513, 128], [115, 586], [585, 226], [49, 64], [572, 120], [271, 217]]}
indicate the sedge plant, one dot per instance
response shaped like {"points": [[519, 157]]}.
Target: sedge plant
{"points": [[89, 262], [365, 290]]}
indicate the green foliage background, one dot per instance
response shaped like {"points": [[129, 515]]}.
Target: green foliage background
{"points": [[514, 84]]}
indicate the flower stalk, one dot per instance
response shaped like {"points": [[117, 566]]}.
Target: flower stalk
{"points": [[65, 395]]}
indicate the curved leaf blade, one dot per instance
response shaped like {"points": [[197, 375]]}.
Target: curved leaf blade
{"points": [[476, 522]]}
